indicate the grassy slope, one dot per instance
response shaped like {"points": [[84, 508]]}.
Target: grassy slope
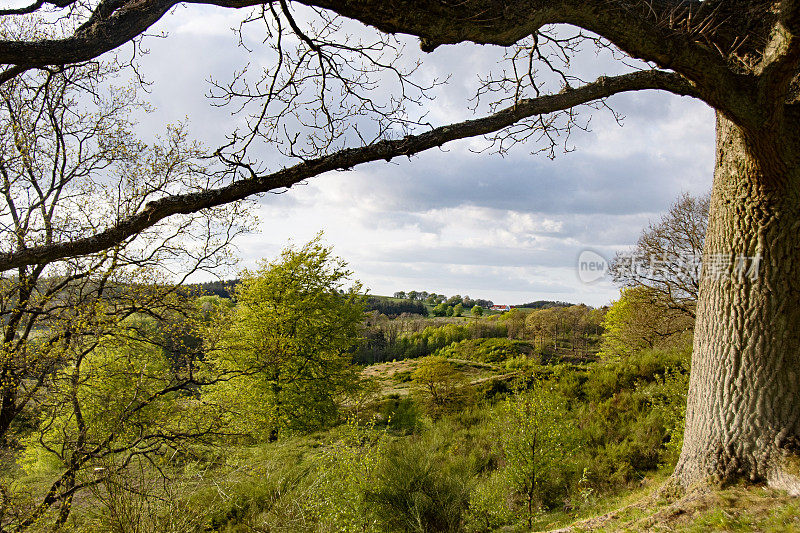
{"points": [[742, 508], [646, 508], [249, 475], [395, 377]]}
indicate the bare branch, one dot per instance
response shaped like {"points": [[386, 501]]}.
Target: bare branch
{"points": [[695, 38], [343, 160]]}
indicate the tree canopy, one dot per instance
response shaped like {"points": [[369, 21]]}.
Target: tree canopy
{"points": [[289, 343]]}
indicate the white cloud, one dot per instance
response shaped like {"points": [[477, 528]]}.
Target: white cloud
{"points": [[453, 221], [204, 21]]}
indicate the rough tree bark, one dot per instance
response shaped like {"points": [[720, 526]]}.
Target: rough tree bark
{"points": [[743, 413]]}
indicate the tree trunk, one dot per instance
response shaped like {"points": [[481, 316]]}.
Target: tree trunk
{"points": [[743, 411]]}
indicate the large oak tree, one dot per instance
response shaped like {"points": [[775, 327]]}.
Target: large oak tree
{"points": [[740, 57]]}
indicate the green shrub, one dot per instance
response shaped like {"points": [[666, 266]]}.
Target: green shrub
{"points": [[490, 504], [493, 350], [419, 489], [633, 413], [401, 414], [645, 366]]}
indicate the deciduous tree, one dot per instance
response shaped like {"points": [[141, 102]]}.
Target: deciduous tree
{"points": [[667, 256], [289, 341], [533, 438], [69, 164], [440, 384], [640, 320]]}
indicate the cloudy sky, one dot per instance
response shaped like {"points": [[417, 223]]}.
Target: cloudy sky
{"points": [[454, 221]]}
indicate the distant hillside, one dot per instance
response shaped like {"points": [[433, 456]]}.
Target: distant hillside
{"points": [[393, 307], [544, 304], [223, 289], [388, 306]]}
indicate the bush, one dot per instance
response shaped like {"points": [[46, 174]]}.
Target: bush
{"points": [[419, 489], [633, 414], [494, 350], [645, 366], [598, 427], [490, 506], [401, 414]]}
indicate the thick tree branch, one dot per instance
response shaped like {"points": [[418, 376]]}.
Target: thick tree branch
{"points": [[105, 31], [35, 6], [345, 159], [779, 63], [691, 37]]}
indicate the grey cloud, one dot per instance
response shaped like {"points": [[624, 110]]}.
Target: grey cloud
{"points": [[575, 183], [477, 283], [485, 256], [602, 194]]}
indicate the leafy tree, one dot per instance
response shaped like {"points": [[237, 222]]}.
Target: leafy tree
{"points": [[119, 402], [343, 480], [70, 164], [211, 305], [639, 320], [440, 310], [740, 57], [454, 300], [394, 308], [432, 338], [534, 436], [458, 310], [514, 321], [400, 294], [477, 311], [223, 289], [289, 342], [543, 304], [440, 384], [573, 327]]}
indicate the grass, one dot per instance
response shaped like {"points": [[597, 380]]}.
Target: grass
{"points": [[252, 488], [740, 508]]}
